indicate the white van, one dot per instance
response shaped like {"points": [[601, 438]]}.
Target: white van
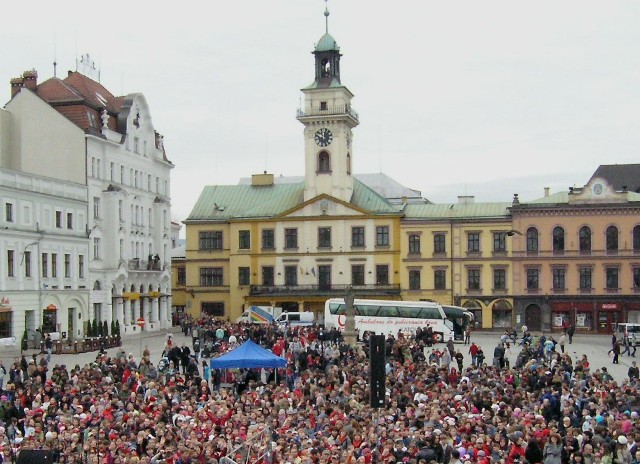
{"points": [[631, 329], [295, 318]]}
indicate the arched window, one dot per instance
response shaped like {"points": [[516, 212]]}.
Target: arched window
{"points": [[612, 238], [349, 163], [96, 285], [532, 239], [324, 162], [636, 238], [585, 238], [558, 239]]}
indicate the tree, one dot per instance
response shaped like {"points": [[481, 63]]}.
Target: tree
{"points": [[105, 329]]}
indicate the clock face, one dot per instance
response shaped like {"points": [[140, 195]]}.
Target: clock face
{"points": [[323, 137]]}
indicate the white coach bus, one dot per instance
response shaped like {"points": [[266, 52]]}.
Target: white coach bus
{"points": [[387, 317]]}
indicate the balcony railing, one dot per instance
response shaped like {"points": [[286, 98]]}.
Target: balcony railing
{"points": [[329, 111], [136, 264], [325, 290]]}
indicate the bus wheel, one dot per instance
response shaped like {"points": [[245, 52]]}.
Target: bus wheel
{"points": [[438, 338]]}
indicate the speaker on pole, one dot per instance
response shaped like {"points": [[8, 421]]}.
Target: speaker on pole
{"points": [[377, 362], [26, 456]]}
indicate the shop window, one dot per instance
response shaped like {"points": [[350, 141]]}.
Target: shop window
{"points": [[501, 314]]}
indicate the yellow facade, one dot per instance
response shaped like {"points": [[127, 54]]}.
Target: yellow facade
{"points": [[457, 263], [307, 257]]}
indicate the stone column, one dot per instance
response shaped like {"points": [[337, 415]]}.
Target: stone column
{"points": [[350, 332], [127, 313], [154, 309]]}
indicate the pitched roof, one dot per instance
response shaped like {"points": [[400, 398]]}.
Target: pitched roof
{"points": [[449, 211], [227, 202], [380, 183], [620, 176], [80, 99]]}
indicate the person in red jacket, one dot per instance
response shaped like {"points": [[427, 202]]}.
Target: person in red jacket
{"points": [[517, 448]]}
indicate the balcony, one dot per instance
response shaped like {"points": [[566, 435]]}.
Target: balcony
{"points": [[330, 291], [136, 264], [338, 110]]}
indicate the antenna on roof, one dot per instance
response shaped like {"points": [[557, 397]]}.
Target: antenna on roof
{"points": [[266, 151], [55, 53]]}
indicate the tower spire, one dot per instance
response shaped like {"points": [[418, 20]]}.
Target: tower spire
{"points": [[326, 16]]}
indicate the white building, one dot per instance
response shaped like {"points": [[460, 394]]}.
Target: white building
{"points": [[129, 212], [44, 252]]}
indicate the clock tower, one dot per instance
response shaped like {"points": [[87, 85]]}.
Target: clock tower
{"points": [[328, 119]]}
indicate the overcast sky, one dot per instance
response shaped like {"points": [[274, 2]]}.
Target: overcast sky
{"points": [[455, 98]]}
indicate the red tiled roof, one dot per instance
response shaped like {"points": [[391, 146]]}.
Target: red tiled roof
{"points": [[55, 90], [93, 92], [79, 98]]}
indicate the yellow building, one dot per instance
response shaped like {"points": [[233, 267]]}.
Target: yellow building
{"points": [[578, 258], [460, 254], [295, 243]]}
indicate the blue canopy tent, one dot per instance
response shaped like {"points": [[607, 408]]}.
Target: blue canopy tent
{"points": [[247, 356]]}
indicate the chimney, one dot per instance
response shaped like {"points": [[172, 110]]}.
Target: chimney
{"points": [[262, 179], [405, 200], [466, 199], [16, 85], [516, 199], [546, 191], [31, 79]]}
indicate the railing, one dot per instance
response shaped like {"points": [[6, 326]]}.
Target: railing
{"points": [[82, 346], [136, 264], [330, 111], [325, 289]]}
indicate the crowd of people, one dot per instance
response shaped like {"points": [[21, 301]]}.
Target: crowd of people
{"points": [[445, 404]]}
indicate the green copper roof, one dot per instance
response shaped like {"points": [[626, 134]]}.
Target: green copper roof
{"points": [[562, 198], [227, 202], [365, 198], [327, 43], [448, 211], [334, 84]]}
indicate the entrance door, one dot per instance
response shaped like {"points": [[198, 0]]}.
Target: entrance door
{"points": [[324, 277], [533, 317], [607, 321], [70, 321], [30, 323]]}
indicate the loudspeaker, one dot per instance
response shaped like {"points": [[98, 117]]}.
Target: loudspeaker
{"points": [[35, 457], [377, 362]]}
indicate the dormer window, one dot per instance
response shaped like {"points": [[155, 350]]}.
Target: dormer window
{"points": [[324, 162]]}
